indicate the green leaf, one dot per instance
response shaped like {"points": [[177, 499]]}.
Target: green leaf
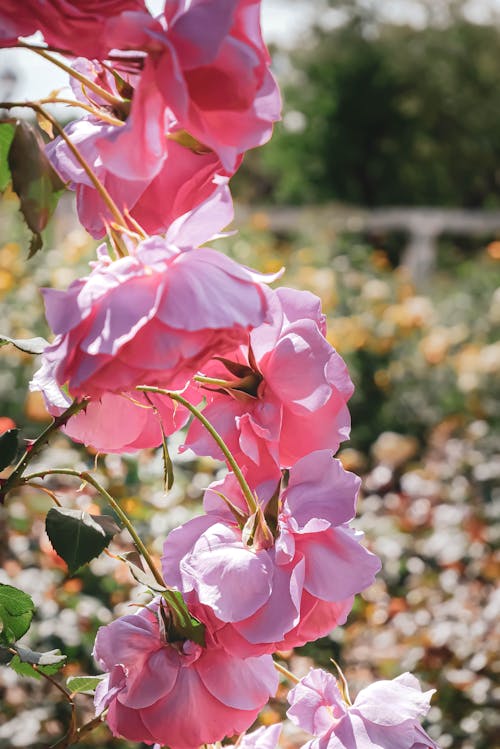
{"points": [[8, 447], [28, 345], [25, 667], [34, 180], [83, 684], [47, 663], [77, 536], [7, 130], [16, 613]]}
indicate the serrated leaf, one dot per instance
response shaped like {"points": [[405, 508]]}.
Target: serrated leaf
{"points": [[8, 447], [7, 130], [77, 536], [28, 345], [16, 613], [33, 179], [26, 669], [83, 684], [50, 658]]}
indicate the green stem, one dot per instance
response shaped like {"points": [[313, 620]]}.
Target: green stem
{"points": [[247, 492], [59, 421], [106, 197], [87, 82], [84, 476], [87, 107]]}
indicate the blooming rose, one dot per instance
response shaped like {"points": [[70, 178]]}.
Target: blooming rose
{"points": [[385, 714], [254, 578], [159, 180], [153, 317], [208, 61], [113, 423], [178, 694], [285, 394], [266, 737], [150, 318], [78, 28]]}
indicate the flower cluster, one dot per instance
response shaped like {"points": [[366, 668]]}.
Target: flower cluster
{"points": [[385, 714], [162, 323]]}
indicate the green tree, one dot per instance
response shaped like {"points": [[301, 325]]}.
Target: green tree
{"points": [[391, 115]]}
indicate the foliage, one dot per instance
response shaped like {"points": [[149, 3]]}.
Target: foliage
{"points": [[422, 361], [384, 114]]}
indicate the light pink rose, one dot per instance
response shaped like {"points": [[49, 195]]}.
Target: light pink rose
{"points": [[286, 394], [257, 585], [385, 714], [181, 695], [266, 737], [209, 63], [78, 28], [151, 318], [114, 422]]}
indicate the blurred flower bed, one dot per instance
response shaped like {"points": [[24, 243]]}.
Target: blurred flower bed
{"points": [[425, 438]]}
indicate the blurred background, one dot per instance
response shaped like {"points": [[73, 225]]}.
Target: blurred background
{"points": [[380, 192]]}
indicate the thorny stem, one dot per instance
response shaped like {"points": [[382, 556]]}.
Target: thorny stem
{"points": [[84, 476], [88, 727], [286, 673], [44, 489], [247, 492], [59, 421], [67, 739], [87, 82], [108, 200]]}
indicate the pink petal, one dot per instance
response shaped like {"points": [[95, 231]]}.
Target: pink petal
{"points": [[319, 487], [241, 684], [227, 576], [337, 566]]}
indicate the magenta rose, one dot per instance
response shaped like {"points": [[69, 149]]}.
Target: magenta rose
{"points": [[285, 394], [78, 28], [159, 180], [262, 577], [178, 694], [208, 61], [385, 714]]}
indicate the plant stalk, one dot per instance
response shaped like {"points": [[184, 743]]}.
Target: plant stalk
{"points": [[247, 492]]}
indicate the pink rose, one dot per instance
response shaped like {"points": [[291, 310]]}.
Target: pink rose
{"points": [[385, 714], [78, 28], [158, 181], [255, 578], [266, 737], [177, 694], [286, 392], [114, 422], [210, 65], [188, 304]]}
